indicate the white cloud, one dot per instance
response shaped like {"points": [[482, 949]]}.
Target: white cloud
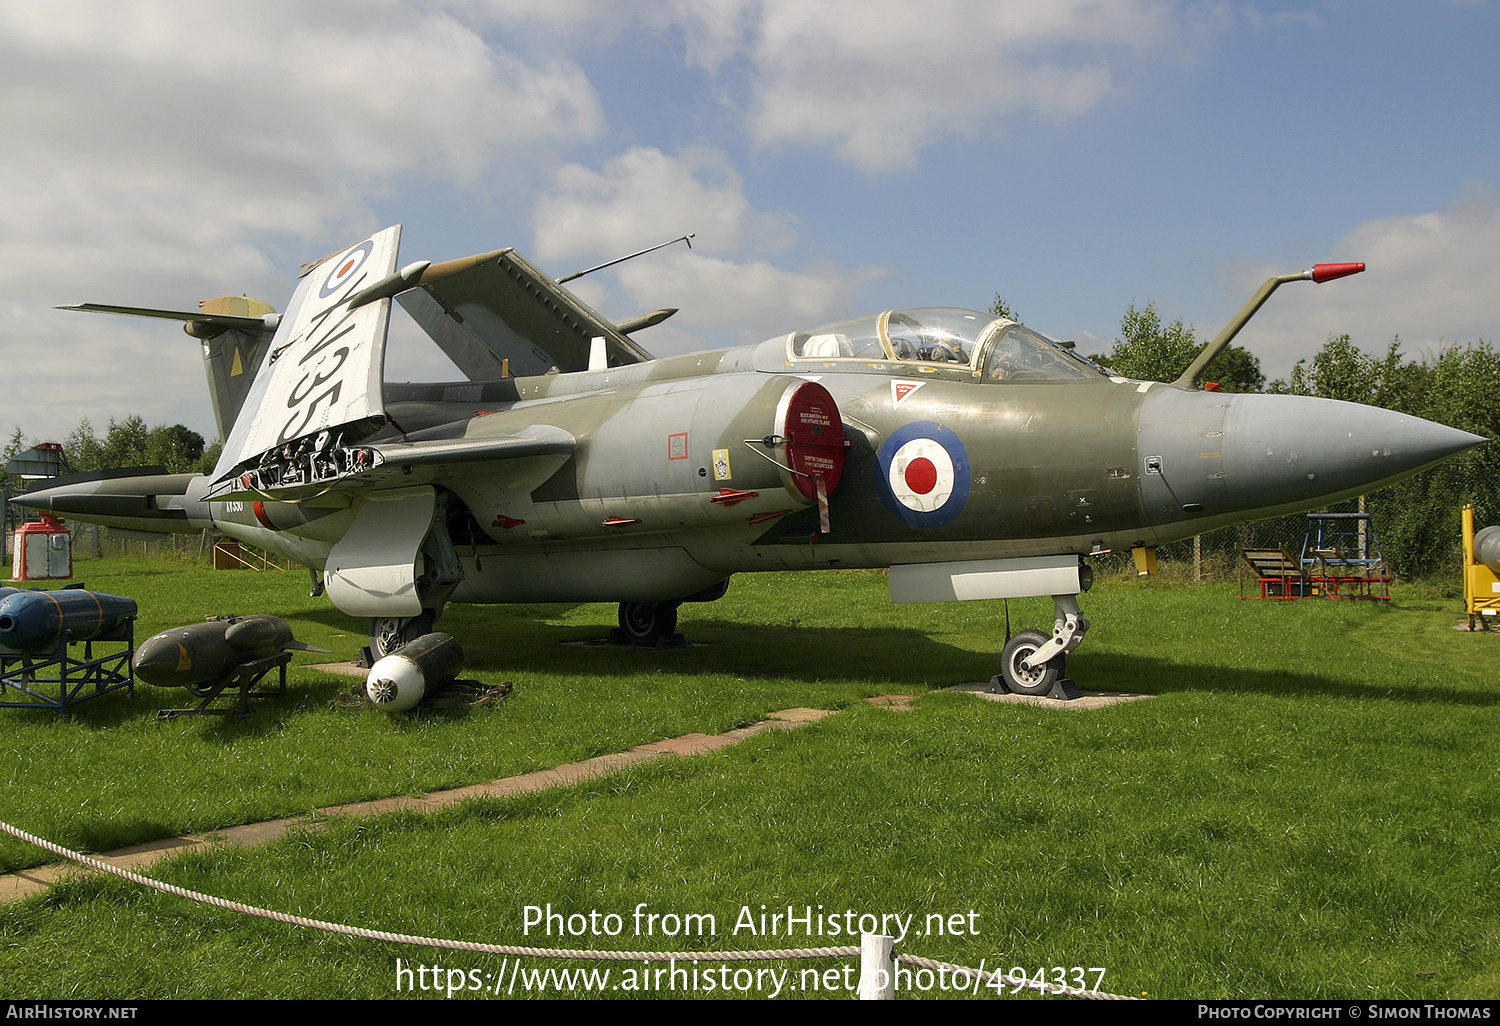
{"points": [[274, 99], [153, 151], [752, 300], [62, 367], [644, 196], [879, 81], [1431, 278]]}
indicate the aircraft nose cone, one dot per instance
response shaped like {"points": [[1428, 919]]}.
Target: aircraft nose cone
{"points": [[82, 502], [1301, 449], [128, 498], [1233, 457]]}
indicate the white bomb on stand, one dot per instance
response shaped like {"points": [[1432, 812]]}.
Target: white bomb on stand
{"points": [[397, 682]]}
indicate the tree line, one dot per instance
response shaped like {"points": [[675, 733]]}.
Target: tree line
{"points": [[128, 443]]}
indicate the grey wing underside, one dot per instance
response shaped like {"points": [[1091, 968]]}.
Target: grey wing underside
{"points": [[496, 315]]}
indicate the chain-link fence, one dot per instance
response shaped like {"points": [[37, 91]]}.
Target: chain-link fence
{"points": [[1416, 523]]}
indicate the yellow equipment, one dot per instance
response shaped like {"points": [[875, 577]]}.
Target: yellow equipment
{"points": [[1481, 571]]}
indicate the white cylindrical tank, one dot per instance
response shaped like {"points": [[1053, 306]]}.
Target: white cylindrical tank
{"points": [[398, 682]]}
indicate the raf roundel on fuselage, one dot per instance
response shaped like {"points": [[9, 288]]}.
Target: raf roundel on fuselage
{"points": [[924, 474], [924, 466]]}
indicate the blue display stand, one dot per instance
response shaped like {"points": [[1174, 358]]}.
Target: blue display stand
{"points": [[68, 681]]}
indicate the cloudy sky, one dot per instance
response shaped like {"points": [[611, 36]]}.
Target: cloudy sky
{"points": [[832, 157]]}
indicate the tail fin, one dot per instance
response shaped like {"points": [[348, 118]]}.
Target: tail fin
{"points": [[232, 355]]}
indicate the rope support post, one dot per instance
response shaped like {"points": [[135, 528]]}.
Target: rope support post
{"points": [[877, 967]]}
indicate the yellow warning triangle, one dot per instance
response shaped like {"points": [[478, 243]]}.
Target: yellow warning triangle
{"points": [[236, 368]]}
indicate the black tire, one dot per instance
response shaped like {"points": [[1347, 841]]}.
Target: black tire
{"points": [[388, 633], [1029, 682], [647, 623]]}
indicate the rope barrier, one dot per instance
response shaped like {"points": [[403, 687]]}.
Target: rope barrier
{"points": [[431, 942], [511, 950]]}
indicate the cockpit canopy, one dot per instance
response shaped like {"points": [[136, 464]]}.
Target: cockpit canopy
{"points": [[994, 349]]}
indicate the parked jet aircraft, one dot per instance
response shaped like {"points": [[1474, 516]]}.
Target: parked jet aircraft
{"points": [[970, 455]]}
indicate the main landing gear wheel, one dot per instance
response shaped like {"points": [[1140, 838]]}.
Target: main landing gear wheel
{"points": [[647, 623], [1025, 681], [388, 633]]}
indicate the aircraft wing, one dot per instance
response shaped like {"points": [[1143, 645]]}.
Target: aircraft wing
{"points": [[323, 372], [362, 468], [497, 315]]}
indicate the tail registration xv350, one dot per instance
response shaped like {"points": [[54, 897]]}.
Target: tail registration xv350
{"points": [[970, 455]]}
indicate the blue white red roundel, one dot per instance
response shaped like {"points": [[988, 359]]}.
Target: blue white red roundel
{"points": [[342, 270], [924, 474]]}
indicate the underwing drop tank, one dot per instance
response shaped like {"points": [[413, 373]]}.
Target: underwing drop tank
{"points": [[201, 652]]}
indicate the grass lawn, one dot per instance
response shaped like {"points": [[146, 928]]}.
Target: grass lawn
{"points": [[1308, 808]]}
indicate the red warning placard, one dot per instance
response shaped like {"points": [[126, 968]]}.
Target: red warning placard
{"points": [[814, 436]]}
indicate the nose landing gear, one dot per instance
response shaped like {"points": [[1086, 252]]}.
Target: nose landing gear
{"points": [[1033, 664]]}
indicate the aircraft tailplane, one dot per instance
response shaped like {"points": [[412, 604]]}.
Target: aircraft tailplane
{"points": [[236, 332]]}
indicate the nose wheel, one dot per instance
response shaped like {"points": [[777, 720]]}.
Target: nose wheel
{"points": [[1026, 680], [1034, 664]]}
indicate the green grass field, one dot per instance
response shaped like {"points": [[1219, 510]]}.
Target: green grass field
{"points": [[1308, 808]]}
